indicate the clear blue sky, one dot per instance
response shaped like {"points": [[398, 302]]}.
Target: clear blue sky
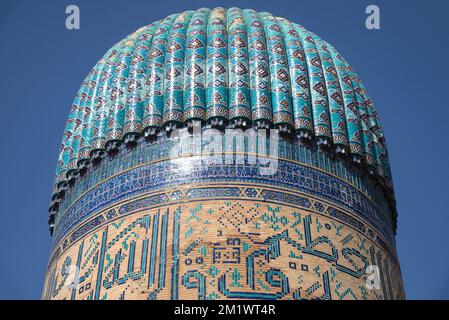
{"points": [[404, 67]]}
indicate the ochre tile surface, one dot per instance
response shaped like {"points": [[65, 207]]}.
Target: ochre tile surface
{"points": [[223, 249]]}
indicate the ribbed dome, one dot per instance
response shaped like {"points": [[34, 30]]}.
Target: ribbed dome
{"points": [[224, 68]]}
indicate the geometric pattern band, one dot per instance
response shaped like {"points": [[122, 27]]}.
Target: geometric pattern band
{"points": [[162, 175]]}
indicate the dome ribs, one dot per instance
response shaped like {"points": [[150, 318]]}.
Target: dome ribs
{"points": [[77, 138], [217, 69], [103, 103], [320, 105], [92, 109], [66, 144], [154, 100], [299, 77], [374, 128], [118, 97], [195, 68], [173, 80], [260, 84], [372, 120], [366, 134], [85, 135], [279, 74], [239, 80], [135, 90], [335, 98], [353, 125]]}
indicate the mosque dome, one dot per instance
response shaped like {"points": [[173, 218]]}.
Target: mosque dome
{"points": [[221, 69]]}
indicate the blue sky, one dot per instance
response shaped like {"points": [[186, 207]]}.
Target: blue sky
{"points": [[404, 67]]}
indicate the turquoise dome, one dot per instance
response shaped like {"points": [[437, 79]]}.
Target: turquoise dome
{"points": [[224, 68]]}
